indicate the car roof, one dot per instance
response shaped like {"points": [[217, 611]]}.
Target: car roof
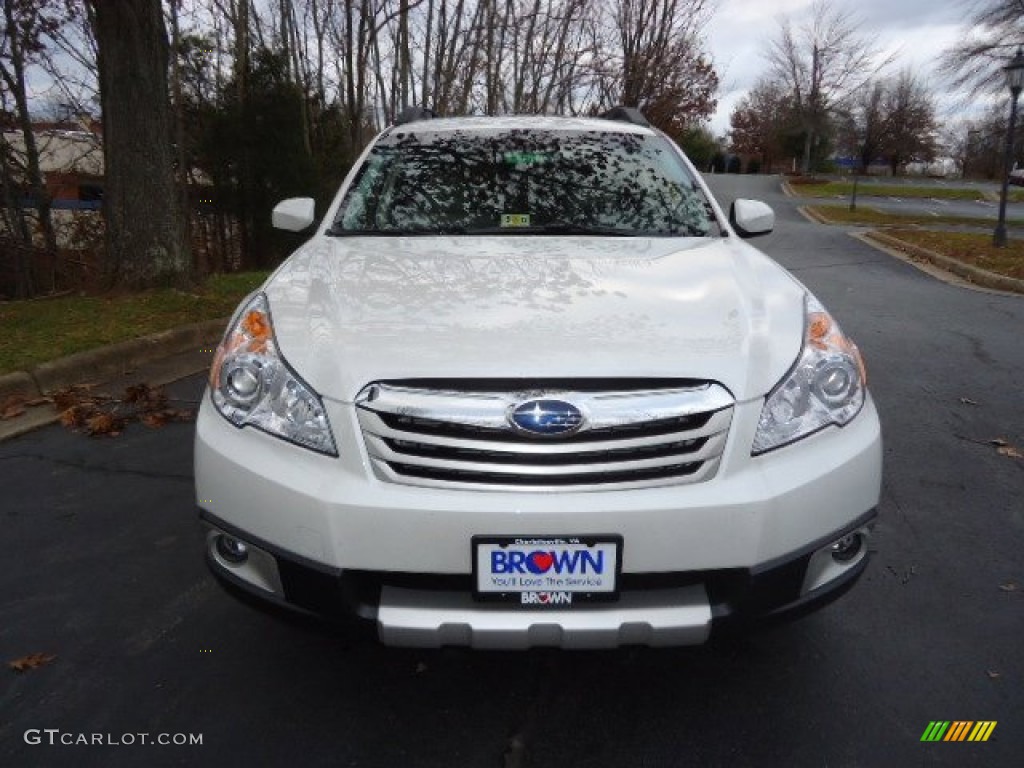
{"points": [[521, 122]]}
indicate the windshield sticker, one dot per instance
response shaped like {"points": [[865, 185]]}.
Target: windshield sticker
{"points": [[524, 159], [515, 219]]}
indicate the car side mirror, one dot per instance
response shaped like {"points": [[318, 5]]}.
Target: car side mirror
{"points": [[294, 214], [751, 218]]}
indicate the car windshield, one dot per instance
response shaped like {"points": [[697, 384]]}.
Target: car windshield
{"points": [[525, 182]]}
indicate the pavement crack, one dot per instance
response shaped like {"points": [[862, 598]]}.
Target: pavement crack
{"points": [[98, 468], [835, 266], [900, 512]]}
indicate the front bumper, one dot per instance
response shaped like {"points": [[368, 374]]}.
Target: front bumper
{"points": [[422, 610], [326, 537]]}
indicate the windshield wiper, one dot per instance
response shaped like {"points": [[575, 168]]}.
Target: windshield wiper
{"points": [[555, 229], [413, 231]]}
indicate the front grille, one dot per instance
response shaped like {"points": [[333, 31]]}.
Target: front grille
{"points": [[446, 437]]}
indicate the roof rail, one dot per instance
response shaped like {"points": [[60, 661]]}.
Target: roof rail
{"points": [[413, 114], [627, 115]]}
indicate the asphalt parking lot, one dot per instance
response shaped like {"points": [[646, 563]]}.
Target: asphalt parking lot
{"points": [[101, 567], [987, 209]]}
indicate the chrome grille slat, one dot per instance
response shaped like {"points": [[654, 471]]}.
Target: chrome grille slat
{"points": [[446, 438], [385, 472], [382, 451], [373, 424]]}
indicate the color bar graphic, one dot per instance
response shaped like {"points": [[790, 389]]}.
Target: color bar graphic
{"points": [[982, 730], [935, 731], [958, 730]]}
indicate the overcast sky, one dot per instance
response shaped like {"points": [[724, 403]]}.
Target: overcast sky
{"points": [[917, 30]]}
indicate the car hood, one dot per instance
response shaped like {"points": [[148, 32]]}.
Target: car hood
{"points": [[351, 311]]}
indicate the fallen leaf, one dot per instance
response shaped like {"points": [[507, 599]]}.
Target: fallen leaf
{"points": [[31, 661], [1010, 452], [76, 415], [153, 420], [993, 675], [104, 415], [105, 424], [137, 393], [69, 396], [1010, 586], [999, 441], [12, 412], [12, 401], [63, 400], [968, 401]]}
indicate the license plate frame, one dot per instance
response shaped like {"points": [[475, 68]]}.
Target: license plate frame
{"points": [[530, 584]]}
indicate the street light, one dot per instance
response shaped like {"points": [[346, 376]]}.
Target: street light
{"points": [[1015, 79]]}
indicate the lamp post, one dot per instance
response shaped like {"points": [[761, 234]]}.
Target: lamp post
{"points": [[1015, 79]]}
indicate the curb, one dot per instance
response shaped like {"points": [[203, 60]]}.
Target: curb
{"points": [[94, 364], [808, 212], [966, 271]]}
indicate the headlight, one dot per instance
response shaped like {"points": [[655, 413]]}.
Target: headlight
{"points": [[826, 386], [252, 385]]}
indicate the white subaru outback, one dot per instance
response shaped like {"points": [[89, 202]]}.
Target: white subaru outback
{"points": [[527, 385]]}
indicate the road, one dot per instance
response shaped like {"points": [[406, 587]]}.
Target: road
{"points": [[100, 564]]}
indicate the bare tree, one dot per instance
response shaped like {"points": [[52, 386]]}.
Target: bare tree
{"points": [[994, 29], [821, 63], [145, 243], [894, 119], [760, 121], [865, 124], [25, 23], [912, 128], [180, 159]]}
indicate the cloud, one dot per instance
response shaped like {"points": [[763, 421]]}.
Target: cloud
{"points": [[915, 32]]}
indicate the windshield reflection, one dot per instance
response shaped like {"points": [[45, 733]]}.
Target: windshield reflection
{"points": [[524, 182]]}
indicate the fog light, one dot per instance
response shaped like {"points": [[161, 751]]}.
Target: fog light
{"points": [[231, 549], [847, 548]]}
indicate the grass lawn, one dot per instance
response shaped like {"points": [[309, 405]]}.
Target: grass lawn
{"points": [[45, 329], [865, 214], [871, 189], [970, 248]]}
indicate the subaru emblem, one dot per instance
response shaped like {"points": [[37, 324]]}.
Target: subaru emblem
{"points": [[546, 418]]}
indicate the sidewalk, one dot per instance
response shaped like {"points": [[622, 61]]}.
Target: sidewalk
{"points": [[157, 359]]}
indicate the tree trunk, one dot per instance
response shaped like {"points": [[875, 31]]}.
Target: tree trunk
{"points": [[21, 253], [181, 161], [145, 236], [16, 82], [808, 143], [246, 182]]}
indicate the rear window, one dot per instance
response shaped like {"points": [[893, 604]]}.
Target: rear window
{"points": [[525, 182]]}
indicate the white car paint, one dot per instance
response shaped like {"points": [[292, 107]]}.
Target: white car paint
{"points": [[350, 311]]}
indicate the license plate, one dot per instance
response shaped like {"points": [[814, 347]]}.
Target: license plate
{"points": [[546, 570]]}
